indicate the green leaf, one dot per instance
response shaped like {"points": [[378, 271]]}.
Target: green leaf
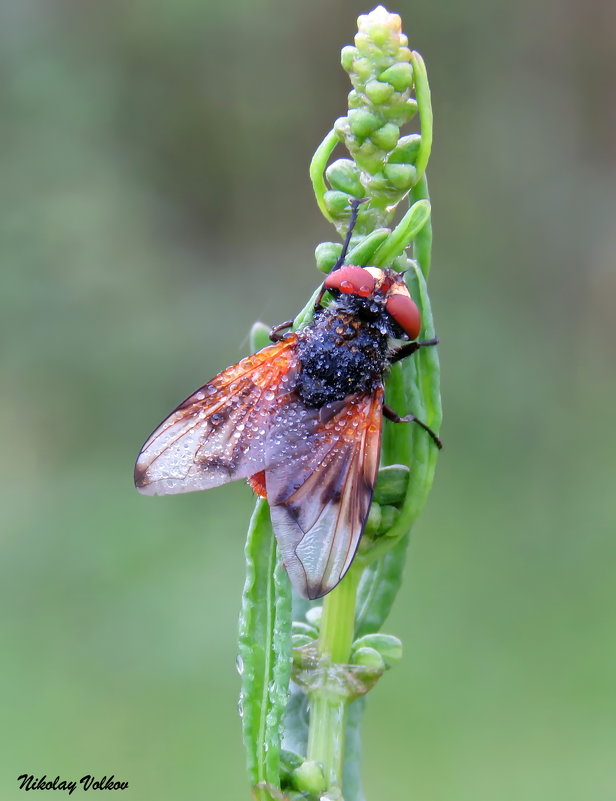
{"points": [[264, 653], [259, 336], [296, 722], [363, 252], [424, 103], [352, 751], [378, 588], [403, 234], [386, 645]]}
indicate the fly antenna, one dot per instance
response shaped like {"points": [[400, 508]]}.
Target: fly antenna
{"points": [[355, 204]]}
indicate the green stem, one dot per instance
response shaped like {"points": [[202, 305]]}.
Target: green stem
{"points": [[327, 701]]}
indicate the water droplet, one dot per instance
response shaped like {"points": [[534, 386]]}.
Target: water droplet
{"points": [[216, 419], [210, 389], [239, 664], [240, 707]]}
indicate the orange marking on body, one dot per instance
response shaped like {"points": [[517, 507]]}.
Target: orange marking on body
{"points": [[257, 484]]}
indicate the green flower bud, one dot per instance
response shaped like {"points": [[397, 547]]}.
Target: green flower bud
{"points": [[289, 761], [347, 56], [259, 336], [362, 69], [299, 641], [399, 75], [378, 91], [399, 110], [344, 175], [378, 183], [380, 33], [337, 203], [373, 521], [369, 157], [401, 176], [304, 628], [391, 484], [326, 255], [381, 27], [387, 136], [369, 658], [355, 100], [406, 150], [362, 122], [309, 778], [362, 42], [314, 615], [389, 515], [387, 646]]}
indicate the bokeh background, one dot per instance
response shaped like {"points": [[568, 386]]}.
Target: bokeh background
{"points": [[154, 202]]}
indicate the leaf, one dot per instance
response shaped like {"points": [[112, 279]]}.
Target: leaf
{"points": [[352, 752], [264, 654], [378, 588]]}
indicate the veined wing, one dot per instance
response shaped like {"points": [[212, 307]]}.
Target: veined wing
{"points": [[320, 493], [218, 434]]}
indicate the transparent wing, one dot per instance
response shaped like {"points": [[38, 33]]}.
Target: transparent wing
{"points": [[219, 433], [319, 486]]}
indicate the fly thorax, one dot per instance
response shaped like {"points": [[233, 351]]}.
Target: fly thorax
{"points": [[341, 353]]}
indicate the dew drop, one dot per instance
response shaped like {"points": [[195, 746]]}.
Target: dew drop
{"points": [[239, 664]]}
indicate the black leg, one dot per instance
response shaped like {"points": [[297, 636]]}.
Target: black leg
{"points": [[411, 347], [410, 418], [355, 204], [274, 334]]}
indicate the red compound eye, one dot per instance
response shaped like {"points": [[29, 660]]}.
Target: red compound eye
{"points": [[405, 313], [351, 280]]}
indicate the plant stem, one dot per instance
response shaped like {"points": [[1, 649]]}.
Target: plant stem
{"points": [[328, 700]]}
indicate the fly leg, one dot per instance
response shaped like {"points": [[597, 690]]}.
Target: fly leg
{"points": [[410, 418], [274, 333], [409, 348], [355, 204]]}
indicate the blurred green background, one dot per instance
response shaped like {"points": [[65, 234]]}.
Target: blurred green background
{"points": [[154, 203]]}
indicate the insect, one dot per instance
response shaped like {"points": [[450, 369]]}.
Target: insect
{"points": [[301, 420]]}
